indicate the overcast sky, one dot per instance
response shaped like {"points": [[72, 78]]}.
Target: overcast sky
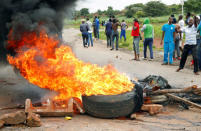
{"points": [[94, 5]]}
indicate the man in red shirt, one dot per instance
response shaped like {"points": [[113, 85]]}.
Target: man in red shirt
{"points": [[136, 39]]}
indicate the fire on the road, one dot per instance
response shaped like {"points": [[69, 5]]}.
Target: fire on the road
{"points": [[42, 62]]}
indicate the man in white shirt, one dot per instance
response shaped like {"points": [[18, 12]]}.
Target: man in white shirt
{"points": [[90, 40], [190, 45]]}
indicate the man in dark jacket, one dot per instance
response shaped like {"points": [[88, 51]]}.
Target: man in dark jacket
{"points": [[84, 29], [108, 32]]}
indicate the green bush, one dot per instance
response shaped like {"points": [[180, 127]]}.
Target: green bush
{"points": [[140, 14]]}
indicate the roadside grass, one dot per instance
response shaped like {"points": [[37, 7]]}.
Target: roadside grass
{"points": [[157, 23]]}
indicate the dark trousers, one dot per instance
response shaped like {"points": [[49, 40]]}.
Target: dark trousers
{"points": [[187, 49], [109, 40], [176, 49], [85, 38], [115, 35], [148, 42]]}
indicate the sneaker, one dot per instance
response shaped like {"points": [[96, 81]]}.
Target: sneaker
{"points": [[112, 49], [179, 58], [145, 59], [174, 59], [151, 59]]}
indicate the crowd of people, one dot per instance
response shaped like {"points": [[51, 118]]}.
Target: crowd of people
{"points": [[172, 38]]}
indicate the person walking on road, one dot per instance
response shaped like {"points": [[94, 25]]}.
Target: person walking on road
{"points": [[136, 39], [148, 38], [190, 45], [124, 26], [115, 34], [169, 38], [108, 32], [84, 29], [90, 39]]}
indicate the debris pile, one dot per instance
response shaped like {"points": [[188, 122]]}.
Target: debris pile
{"points": [[20, 117], [157, 91]]}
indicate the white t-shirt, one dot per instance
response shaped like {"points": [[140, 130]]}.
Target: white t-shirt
{"points": [[90, 26], [181, 24], [190, 33]]}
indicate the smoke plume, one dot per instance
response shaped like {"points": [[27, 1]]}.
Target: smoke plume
{"points": [[30, 15]]}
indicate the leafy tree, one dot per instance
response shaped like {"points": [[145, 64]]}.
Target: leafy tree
{"points": [[155, 8], [174, 9], [193, 6], [110, 11], [84, 12], [133, 9], [76, 15], [99, 12], [140, 14]]}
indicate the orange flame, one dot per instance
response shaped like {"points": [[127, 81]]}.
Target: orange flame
{"points": [[46, 65]]}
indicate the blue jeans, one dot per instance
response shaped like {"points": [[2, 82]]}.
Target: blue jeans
{"points": [[168, 51], [115, 35], [123, 33], [148, 42], [90, 39], [199, 52]]}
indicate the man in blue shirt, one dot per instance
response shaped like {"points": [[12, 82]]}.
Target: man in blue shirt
{"points": [[169, 37], [97, 26], [108, 32]]}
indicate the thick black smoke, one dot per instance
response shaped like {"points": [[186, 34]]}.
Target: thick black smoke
{"points": [[28, 15]]}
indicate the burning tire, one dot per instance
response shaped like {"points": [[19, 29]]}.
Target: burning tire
{"points": [[113, 106]]}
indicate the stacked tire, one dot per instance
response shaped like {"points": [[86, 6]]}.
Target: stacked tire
{"points": [[114, 106]]}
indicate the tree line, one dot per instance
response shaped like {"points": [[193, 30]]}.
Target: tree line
{"points": [[152, 8]]}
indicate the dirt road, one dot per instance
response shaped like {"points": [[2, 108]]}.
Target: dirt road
{"points": [[173, 118], [101, 55]]}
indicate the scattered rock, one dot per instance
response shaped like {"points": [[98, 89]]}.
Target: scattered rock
{"points": [[133, 117], [153, 109], [1, 124], [15, 118], [33, 120]]}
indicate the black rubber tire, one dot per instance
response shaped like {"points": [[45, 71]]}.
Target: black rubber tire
{"points": [[113, 106]]}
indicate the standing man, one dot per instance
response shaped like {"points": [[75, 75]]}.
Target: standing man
{"points": [[115, 34], [97, 26], [84, 29], [108, 32], [94, 28], [90, 40], [136, 39], [124, 26], [169, 37], [190, 45], [148, 35]]}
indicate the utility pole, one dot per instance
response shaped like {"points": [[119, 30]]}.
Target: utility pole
{"points": [[182, 5]]}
